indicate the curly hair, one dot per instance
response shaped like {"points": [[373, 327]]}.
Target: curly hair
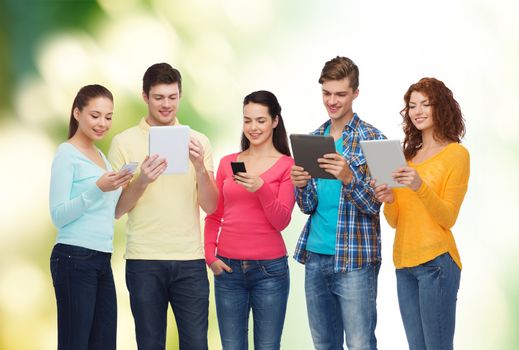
{"points": [[449, 124]]}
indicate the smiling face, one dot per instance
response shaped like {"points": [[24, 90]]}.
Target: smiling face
{"points": [[163, 101], [338, 99], [258, 124], [421, 112], [95, 119]]}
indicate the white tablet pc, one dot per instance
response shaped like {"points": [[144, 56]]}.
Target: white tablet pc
{"points": [[383, 157], [172, 143], [307, 148]]}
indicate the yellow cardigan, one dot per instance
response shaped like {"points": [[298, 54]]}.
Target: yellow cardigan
{"points": [[423, 219]]}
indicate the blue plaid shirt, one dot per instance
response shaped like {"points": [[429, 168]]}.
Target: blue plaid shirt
{"points": [[358, 228]]}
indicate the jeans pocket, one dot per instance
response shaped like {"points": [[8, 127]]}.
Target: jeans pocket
{"points": [[54, 271], [275, 267]]}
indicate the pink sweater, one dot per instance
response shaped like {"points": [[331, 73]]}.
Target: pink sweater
{"points": [[247, 225]]}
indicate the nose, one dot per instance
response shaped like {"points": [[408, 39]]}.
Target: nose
{"points": [[333, 99]]}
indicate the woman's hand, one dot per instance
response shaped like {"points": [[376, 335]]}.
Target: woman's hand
{"points": [[383, 192], [409, 177], [219, 266], [111, 180], [251, 182]]}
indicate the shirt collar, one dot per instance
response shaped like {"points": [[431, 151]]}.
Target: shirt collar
{"points": [[353, 124], [144, 126]]}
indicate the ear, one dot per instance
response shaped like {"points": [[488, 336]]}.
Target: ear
{"points": [[275, 122], [76, 113], [355, 94], [145, 97]]}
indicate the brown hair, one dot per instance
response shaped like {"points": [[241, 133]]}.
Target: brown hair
{"points": [[448, 121], [83, 97], [340, 68], [161, 73]]}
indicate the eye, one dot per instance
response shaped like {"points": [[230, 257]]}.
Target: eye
{"points": [[94, 116]]}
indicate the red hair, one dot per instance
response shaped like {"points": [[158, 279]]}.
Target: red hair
{"points": [[448, 121]]}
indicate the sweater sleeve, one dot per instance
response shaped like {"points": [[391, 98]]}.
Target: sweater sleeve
{"points": [[444, 208], [213, 222], [63, 208], [391, 212], [278, 209]]}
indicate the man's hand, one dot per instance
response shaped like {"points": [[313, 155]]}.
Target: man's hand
{"points": [[299, 176], [335, 164], [151, 168]]}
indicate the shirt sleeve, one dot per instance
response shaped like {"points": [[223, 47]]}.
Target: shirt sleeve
{"points": [[306, 197], [360, 193], [391, 212], [444, 209], [63, 208], [115, 155], [213, 222], [278, 209]]}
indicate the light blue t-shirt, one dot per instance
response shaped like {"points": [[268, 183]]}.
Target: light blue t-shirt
{"points": [[324, 219], [82, 213]]}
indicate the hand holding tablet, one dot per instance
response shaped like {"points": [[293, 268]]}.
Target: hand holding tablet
{"points": [[383, 158], [308, 148]]}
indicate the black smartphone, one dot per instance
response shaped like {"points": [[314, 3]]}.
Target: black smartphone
{"points": [[238, 167]]}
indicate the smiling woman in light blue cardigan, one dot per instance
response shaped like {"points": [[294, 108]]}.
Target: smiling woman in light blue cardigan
{"points": [[83, 193]]}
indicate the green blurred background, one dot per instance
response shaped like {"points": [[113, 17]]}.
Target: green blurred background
{"points": [[226, 49]]}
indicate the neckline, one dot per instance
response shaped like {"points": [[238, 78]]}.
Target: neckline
{"points": [[266, 170], [87, 158], [432, 157]]}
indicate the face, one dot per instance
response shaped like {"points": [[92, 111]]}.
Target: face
{"points": [[338, 99], [95, 119], [420, 111], [162, 101], [258, 125]]}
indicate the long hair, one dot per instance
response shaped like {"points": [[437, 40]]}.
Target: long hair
{"points": [[83, 97], [448, 122], [279, 134]]}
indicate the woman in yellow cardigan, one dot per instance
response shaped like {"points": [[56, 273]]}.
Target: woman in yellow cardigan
{"points": [[423, 212]]}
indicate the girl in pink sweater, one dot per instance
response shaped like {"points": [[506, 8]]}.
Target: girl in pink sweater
{"points": [[243, 243]]}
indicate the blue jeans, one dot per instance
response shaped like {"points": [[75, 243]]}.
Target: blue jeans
{"points": [[427, 297], [262, 285], [85, 297], [183, 284], [341, 303]]}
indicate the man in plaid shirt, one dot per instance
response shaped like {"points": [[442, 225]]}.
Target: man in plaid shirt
{"points": [[340, 243]]}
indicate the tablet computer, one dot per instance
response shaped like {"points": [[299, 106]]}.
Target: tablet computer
{"points": [[172, 143], [307, 148], [383, 157]]}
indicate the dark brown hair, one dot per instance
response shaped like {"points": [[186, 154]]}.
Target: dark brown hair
{"points": [[161, 73], [448, 121], [340, 68], [279, 134], [83, 97]]}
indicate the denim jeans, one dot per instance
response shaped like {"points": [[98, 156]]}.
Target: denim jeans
{"points": [[341, 303], [183, 284], [427, 297], [85, 297], [260, 285]]}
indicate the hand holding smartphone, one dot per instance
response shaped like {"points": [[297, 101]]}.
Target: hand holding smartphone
{"points": [[131, 167], [238, 167]]}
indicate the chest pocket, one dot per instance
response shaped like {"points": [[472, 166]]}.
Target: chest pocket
{"points": [[358, 164]]}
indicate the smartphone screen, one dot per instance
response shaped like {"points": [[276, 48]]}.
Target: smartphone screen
{"points": [[130, 166], [238, 167]]}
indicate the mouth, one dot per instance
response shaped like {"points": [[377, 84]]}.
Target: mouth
{"points": [[420, 120], [333, 109], [254, 136], [99, 132], [165, 113]]}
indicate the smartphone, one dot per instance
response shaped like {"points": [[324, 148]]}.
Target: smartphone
{"points": [[238, 167], [130, 167]]}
